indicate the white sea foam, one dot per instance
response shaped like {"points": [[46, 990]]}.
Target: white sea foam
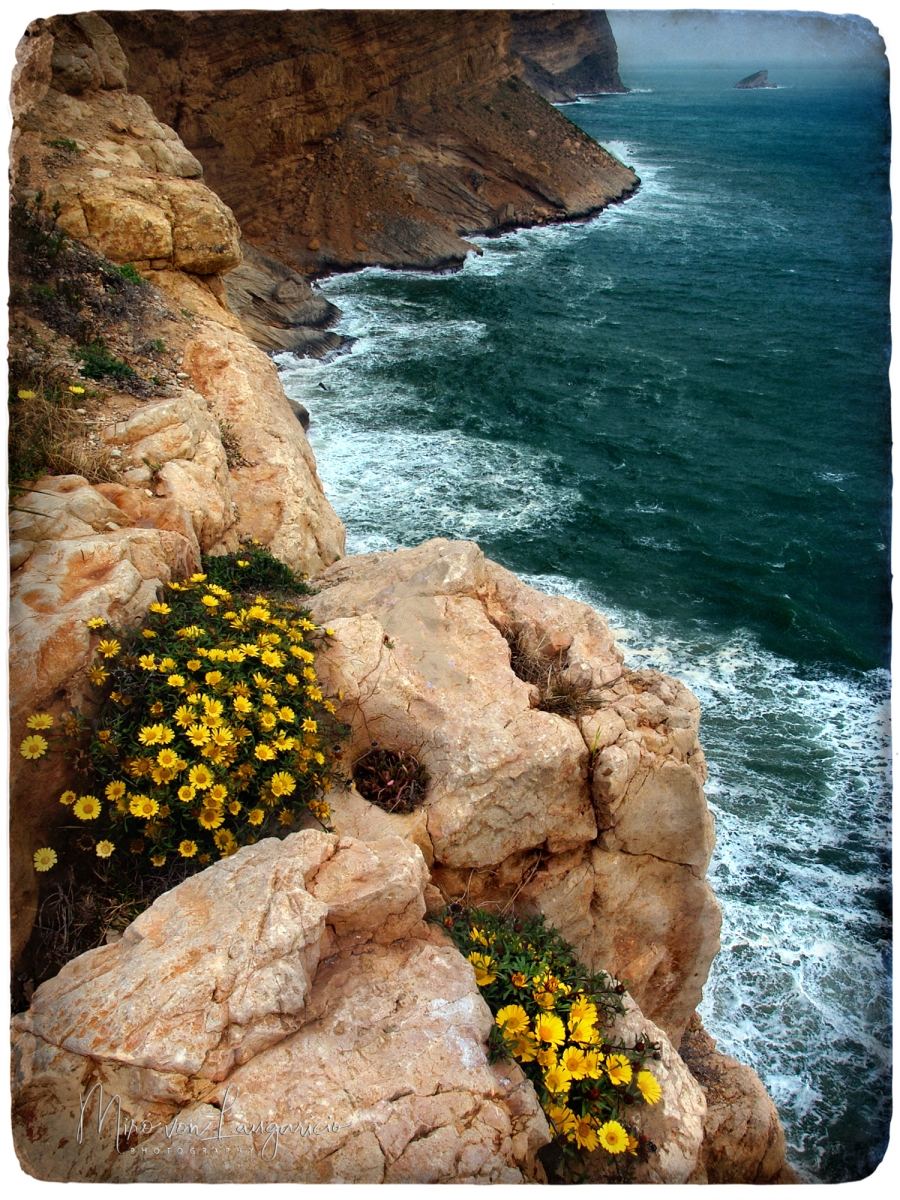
{"points": [[799, 789]]}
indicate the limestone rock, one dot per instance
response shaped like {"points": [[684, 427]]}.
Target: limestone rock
{"points": [[511, 779], [278, 308], [743, 1139], [195, 987], [655, 925], [278, 493], [355, 817], [374, 139], [254, 1025], [422, 664], [374, 891], [61, 508], [58, 587]]}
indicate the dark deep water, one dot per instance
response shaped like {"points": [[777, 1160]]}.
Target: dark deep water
{"points": [[679, 412]]}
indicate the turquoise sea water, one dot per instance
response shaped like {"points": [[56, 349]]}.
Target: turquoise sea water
{"points": [[678, 412]]}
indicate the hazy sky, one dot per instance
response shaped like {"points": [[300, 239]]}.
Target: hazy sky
{"points": [[754, 40]]}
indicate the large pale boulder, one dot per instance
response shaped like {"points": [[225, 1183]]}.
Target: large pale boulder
{"points": [[598, 821], [284, 1016], [655, 924]]}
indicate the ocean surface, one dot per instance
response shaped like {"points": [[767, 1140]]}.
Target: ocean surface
{"points": [[678, 412]]}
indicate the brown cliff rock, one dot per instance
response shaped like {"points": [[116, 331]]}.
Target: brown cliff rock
{"points": [[301, 990], [566, 54], [513, 813], [344, 139], [743, 1139]]}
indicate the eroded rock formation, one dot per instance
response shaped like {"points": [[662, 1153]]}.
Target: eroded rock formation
{"points": [[343, 139], [293, 983], [599, 823]]}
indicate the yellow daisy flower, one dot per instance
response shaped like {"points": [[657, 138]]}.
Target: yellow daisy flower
{"points": [[187, 848], [98, 674], [159, 607], [201, 777], [585, 1134], [211, 818], [68, 798], [483, 964], [44, 859], [158, 860], [34, 746], [282, 783], [143, 806], [115, 790], [648, 1086], [512, 1019], [264, 753], [87, 808], [573, 1060], [109, 647], [39, 721], [218, 793], [256, 816], [613, 1137], [186, 793], [557, 1080], [549, 1028], [104, 849], [175, 681], [234, 807], [618, 1068]]}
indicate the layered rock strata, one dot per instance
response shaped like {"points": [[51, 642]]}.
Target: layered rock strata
{"points": [[128, 188], [346, 139], [566, 54], [599, 822]]}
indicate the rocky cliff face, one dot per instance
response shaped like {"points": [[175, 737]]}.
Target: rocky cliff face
{"points": [[567, 54], [127, 188], [345, 139]]}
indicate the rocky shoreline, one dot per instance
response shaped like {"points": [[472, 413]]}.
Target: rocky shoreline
{"points": [[299, 979]]}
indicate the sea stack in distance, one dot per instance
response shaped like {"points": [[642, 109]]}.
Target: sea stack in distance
{"points": [[758, 80]]}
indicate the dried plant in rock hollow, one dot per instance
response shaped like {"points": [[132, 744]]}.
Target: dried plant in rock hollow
{"points": [[560, 692], [395, 780]]}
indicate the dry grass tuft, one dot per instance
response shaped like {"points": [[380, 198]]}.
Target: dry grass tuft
{"points": [[559, 691]]}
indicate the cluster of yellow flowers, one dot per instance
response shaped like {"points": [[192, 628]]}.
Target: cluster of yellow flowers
{"points": [[554, 1029], [567, 1052], [206, 741]]}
